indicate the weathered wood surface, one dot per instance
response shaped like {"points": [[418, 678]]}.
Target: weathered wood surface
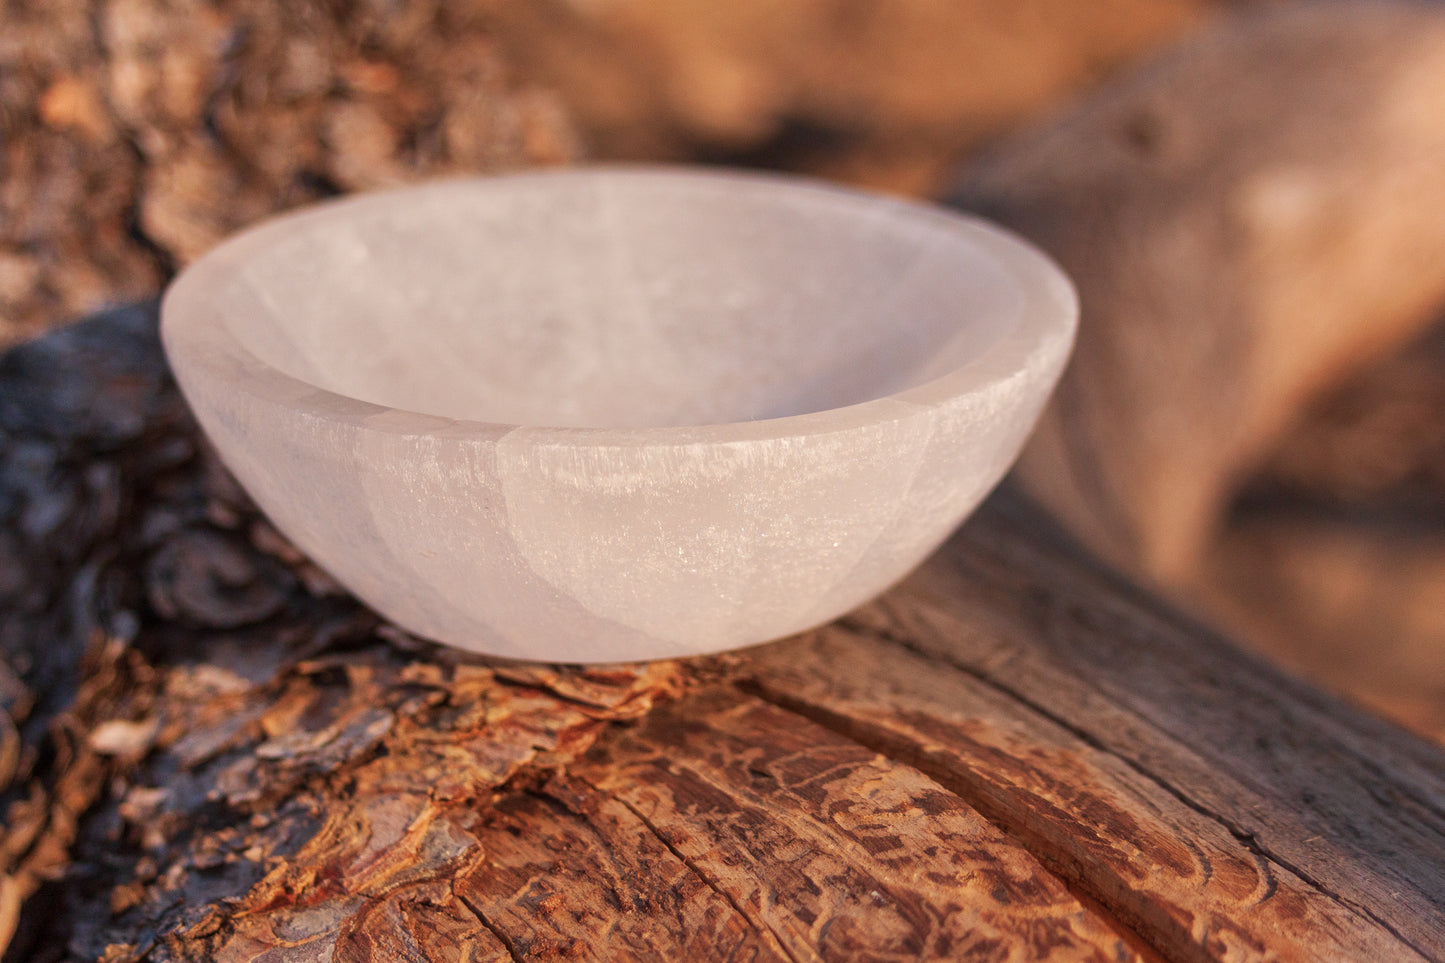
{"points": [[212, 753]]}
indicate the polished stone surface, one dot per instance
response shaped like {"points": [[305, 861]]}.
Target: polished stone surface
{"points": [[612, 414]]}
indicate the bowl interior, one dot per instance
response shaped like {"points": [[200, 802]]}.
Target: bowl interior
{"points": [[616, 299]]}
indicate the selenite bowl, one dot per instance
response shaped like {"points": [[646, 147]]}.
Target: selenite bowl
{"points": [[606, 414]]}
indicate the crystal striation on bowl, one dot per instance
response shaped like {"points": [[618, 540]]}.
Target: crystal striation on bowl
{"points": [[608, 414]]}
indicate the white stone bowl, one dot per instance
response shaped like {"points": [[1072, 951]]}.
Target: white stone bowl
{"points": [[606, 414]]}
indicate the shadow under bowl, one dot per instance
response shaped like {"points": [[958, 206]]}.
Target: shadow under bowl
{"points": [[608, 414]]}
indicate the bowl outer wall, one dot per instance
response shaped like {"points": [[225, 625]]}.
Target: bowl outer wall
{"points": [[602, 545]]}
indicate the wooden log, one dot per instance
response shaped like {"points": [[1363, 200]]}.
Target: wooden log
{"points": [[1254, 218], [214, 753], [1249, 219]]}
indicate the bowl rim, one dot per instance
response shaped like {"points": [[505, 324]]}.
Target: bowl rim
{"points": [[200, 345]]}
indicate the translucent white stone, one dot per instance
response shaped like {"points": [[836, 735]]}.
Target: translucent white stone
{"points": [[613, 414]]}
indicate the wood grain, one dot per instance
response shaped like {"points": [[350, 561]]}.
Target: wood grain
{"points": [[842, 853], [1183, 785], [214, 754]]}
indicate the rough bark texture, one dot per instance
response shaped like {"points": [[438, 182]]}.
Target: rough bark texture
{"points": [[212, 753], [134, 134]]}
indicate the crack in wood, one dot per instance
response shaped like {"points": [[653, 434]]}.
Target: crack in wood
{"points": [[1169, 623], [497, 931], [605, 847], [1242, 836], [1126, 925], [1154, 940], [764, 931]]}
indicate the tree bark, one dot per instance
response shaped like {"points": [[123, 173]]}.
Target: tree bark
{"points": [[211, 752]]}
